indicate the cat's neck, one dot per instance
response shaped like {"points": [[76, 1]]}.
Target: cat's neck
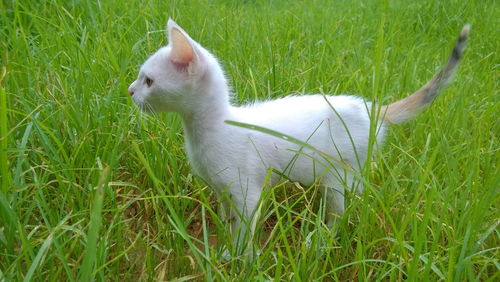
{"points": [[208, 111]]}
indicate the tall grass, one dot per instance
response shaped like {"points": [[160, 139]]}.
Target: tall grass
{"points": [[94, 190]]}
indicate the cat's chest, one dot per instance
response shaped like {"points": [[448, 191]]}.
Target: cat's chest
{"points": [[206, 159], [224, 160], [198, 159]]}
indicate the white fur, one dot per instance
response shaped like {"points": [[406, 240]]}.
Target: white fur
{"points": [[235, 161]]}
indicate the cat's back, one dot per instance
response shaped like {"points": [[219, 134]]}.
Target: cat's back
{"points": [[295, 113], [333, 124]]}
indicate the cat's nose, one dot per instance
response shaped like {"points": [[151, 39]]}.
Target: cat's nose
{"points": [[131, 91]]}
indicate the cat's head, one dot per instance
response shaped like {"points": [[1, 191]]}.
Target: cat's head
{"points": [[171, 78]]}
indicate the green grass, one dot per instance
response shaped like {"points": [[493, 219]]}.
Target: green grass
{"points": [[94, 190]]}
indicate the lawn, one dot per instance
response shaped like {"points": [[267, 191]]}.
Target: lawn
{"points": [[92, 189]]}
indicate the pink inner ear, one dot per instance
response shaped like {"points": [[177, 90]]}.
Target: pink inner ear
{"points": [[182, 51]]}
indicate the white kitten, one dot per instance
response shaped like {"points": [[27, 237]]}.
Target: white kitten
{"points": [[184, 77]]}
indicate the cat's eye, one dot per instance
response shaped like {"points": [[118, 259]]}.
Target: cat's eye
{"points": [[148, 81]]}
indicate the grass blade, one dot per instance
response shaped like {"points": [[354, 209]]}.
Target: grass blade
{"points": [[4, 162], [90, 258]]}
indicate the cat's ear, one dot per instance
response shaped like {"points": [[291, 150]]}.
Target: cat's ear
{"points": [[184, 52]]}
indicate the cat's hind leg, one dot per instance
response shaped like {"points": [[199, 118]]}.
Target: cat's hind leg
{"points": [[334, 188]]}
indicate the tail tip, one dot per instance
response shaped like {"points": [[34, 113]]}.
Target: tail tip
{"points": [[465, 31]]}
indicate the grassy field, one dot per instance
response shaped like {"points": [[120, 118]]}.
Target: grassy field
{"points": [[91, 189]]}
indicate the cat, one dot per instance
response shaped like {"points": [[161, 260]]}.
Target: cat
{"points": [[235, 161]]}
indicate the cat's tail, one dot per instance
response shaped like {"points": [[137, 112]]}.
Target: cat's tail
{"points": [[409, 107]]}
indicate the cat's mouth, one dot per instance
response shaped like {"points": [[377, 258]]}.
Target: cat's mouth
{"points": [[143, 105], [146, 108]]}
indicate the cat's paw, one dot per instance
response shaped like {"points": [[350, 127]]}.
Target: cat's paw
{"points": [[225, 255]]}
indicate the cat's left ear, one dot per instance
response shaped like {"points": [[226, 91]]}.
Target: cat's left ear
{"points": [[184, 52]]}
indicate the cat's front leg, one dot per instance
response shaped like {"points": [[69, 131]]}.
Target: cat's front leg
{"points": [[243, 216], [224, 206]]}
